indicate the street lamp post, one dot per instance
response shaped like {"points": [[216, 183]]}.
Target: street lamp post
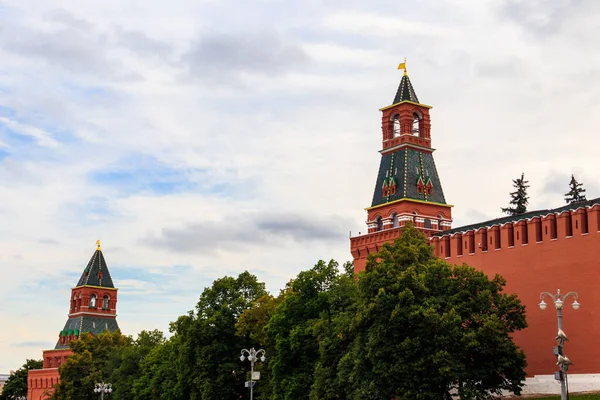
{"points": [[253, 356], [563, 361], [103, 388]]}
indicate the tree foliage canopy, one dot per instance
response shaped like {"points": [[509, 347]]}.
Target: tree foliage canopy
{"points": [[410, 326], [424, 328], [519, 198]]}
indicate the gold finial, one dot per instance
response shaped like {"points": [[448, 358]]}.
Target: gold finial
{"points": [[403, 66], [98, 243]]}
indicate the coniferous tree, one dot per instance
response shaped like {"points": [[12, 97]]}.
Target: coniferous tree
{"points": [[519, 198], [576, 192]]}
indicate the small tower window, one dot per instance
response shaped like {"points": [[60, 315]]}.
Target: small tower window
{"points": [[396, 125], [416, 124], [93, 301], [105, 302], [395, 220], [379, 223]]}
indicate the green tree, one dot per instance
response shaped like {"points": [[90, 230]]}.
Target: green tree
{"points": [[90, 363], [207, 363], [123, 367], [334, 334], [291, 331], [159, 379], [16, 385], [576, 192], [519, 198], [424, 328]]}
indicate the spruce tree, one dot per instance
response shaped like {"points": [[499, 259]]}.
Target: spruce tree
{"points": [[519, 198], [576, 193]]}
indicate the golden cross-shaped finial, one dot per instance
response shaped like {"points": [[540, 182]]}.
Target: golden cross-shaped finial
{"points": [[98, 244]]}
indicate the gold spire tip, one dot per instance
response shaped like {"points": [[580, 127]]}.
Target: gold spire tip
{"points": [[98, 244], [403, 66]]}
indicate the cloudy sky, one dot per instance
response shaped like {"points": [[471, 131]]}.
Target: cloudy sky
{"points": [[199, 138]]}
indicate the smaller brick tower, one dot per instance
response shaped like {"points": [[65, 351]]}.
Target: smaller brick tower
{"points": [[92, 308], [408, 187]]}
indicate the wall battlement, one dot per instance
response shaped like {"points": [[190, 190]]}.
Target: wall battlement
{"points": [[537, 227]]}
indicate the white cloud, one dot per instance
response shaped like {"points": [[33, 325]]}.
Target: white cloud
{"points": [[42, 137], [388, 25]]}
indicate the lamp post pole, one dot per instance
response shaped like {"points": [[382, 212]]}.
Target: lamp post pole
{"points": [[103, 388], [253, 356], [563, 361]]}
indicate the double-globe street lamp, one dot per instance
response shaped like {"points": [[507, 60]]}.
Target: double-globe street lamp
{"points": [[252, 356], [103, 388], [562, 360]]}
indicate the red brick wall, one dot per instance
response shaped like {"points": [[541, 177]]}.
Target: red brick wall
{"points": [[41, 382], [569, 262]]}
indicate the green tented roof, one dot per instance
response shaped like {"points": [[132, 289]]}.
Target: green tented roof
{"points": [[96, 272], [87, 323], [406, 166], [405, 91]]}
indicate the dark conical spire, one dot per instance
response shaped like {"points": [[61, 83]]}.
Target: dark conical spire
{"points": [[405, 92], [96, 273]]}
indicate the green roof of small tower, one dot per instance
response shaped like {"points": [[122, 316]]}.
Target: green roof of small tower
{"points": [[96, 273], [405, 92], [89, 324]]}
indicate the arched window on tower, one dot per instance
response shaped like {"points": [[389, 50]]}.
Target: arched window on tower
{"points": [[439, 219], [79, 302], [93, 301], [379, 223], [416, 124], [395, 220], [105, 302], [396, 125]]}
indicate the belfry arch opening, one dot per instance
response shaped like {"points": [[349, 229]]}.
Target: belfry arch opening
{"points": [[396, 125], [416, 124]]}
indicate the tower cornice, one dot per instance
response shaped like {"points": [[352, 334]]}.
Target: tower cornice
{"points": [[403, 102], [94, 287], [93, 314], [405, 144], [409, 200]]}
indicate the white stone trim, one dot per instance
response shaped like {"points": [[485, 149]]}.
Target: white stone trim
{"points": [[546, 384]]}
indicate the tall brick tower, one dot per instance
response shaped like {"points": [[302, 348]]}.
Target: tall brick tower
{"points": [[92, 308], [408, 187]]}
